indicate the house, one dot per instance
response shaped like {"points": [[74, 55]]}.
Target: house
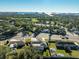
{"points": [[67, 45], [16, 43], [65, 37], [1, 20], [45, 31], [38, 43]]}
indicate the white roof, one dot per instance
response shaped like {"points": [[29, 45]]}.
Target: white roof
{"points": [[14, 40], [34, 40], [60, 54], [43, 39], [36, 45], [76, 43], [12, 45], [1, 20]]}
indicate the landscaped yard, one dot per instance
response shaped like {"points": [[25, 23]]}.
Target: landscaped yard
{"points": [[52, 45], [46, 53], [73, 54], [62, 52]]}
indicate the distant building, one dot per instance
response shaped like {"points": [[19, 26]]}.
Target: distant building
{"points": [[1, 20], [45, 31], [16, 43]]}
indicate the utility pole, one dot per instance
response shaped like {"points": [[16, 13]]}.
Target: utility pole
{"points": [[50, 28]]}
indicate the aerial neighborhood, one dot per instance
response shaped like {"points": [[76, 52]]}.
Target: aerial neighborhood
{"points": [[33, 35]]}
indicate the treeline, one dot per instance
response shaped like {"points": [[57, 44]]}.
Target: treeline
{"points": [[69, 21], [26, 23], [24, 53]]}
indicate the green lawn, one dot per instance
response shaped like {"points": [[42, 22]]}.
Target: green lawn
{"points": [[35, 20], [74, 52], [62, 52], [46, 53], [52, 45]]}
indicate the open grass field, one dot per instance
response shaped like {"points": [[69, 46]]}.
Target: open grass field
{"points": [[35, 20]]}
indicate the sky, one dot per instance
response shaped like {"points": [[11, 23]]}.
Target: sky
{"points": [[60, 6]]}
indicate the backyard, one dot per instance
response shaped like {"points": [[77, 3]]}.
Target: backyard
{"points": [[58, 51]]}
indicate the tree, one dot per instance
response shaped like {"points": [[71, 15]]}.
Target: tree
{"points": [[30, 53], [12, 55], [27, 41], [3, 51]]}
